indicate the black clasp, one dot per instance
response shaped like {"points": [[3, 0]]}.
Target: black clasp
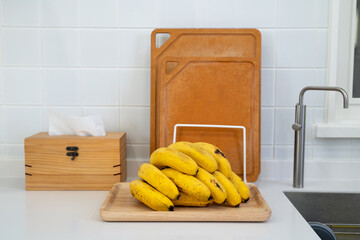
{"points": [[72, 152]]}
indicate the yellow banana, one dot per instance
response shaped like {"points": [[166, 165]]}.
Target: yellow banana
{"points": [[201, 157], [223, 164], [153, 176], [233, 197], [166, 157], [190, 201], [188, 184], [150, 196], [240, 186], [216, 188]]}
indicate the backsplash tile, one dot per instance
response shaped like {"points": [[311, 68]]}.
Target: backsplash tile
{"points": [[23, 86], [99, 13], [21, 123], [60, 13], [251, 15], [100, 48], [135, 87], [101, 86], [267, 126], [21, 47], [293, 81], [296, 48], [177, 14], [21, 13], [268, 48], [267, 87], [139, 13], [135, 48], [81, 57], [136, 123], [290, 13], [61, 47], [62, 86], [213, 13]]}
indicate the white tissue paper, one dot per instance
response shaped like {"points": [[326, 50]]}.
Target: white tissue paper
{"points": [[60, 124]]}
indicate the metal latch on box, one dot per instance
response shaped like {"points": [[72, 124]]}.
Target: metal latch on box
{"points": [[72, 152]]}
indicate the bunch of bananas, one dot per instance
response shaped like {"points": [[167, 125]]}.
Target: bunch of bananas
{"points": [[188, 174]]}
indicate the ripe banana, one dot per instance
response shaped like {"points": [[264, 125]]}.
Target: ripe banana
{"points": [[150, 196], [190, 201], [233, 197], [216, 188], [153, 176], [188, 184], [223, 164], [240, 186], [201, 157], [166, 157]]}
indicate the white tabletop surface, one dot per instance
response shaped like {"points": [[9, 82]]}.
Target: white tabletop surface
{"points": [[67, 215]]}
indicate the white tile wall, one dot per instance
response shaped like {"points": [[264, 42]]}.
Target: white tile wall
{"points": [[135, 87], [211, 14], [100, 48], [62, 86], [21, 47], [84, 57], [21, 13], [106, 12], [23, 86], [101, 87], [138, 13], [61, 47], [60, 13], [296, 48]]}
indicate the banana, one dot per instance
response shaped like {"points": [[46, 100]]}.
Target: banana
{"points": [[201, 157], [188, 184], [150, 196], [153, 176], [233, 197], [223, 164], [216, 188], [166, 157], [240, 186], [190, 201]]}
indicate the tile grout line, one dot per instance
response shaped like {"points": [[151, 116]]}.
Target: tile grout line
{"points": [[82, 82], [2, 126], [43, 112], [275, 77]]}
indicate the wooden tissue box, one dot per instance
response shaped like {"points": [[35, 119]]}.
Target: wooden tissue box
{"points": [[70, 162]]}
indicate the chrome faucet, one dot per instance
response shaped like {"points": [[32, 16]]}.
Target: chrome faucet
{"points": [[299, 127]]}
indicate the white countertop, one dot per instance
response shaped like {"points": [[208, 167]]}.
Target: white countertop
{"points": [[67, 215]]}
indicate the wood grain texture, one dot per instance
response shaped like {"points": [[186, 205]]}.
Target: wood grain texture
{"points": [[208, 76], [100, 164], [120, 205]]}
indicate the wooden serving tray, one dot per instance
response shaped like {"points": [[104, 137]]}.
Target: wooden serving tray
{"points": [[208, 76], [121, 206]]}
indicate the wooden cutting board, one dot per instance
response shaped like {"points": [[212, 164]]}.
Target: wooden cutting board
{"points": [[208, 76], [121, 206]]}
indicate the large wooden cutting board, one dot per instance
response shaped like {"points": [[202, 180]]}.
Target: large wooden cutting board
{"points": [[208, 76], [121, 206]]}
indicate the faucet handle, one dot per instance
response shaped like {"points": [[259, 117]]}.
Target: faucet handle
{"points": [[296, 126]]}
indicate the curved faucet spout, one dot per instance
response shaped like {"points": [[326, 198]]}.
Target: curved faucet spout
{"points": [[325, 88], [299, 128]]}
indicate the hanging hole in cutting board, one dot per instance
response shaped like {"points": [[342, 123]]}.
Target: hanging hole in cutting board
{"points": [[161, 38], [170, 66]]}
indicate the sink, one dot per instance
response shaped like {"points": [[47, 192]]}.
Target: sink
{"points": [[339, 211]]}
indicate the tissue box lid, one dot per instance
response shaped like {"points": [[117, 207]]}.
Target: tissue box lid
{"points": [[73, 162]]}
